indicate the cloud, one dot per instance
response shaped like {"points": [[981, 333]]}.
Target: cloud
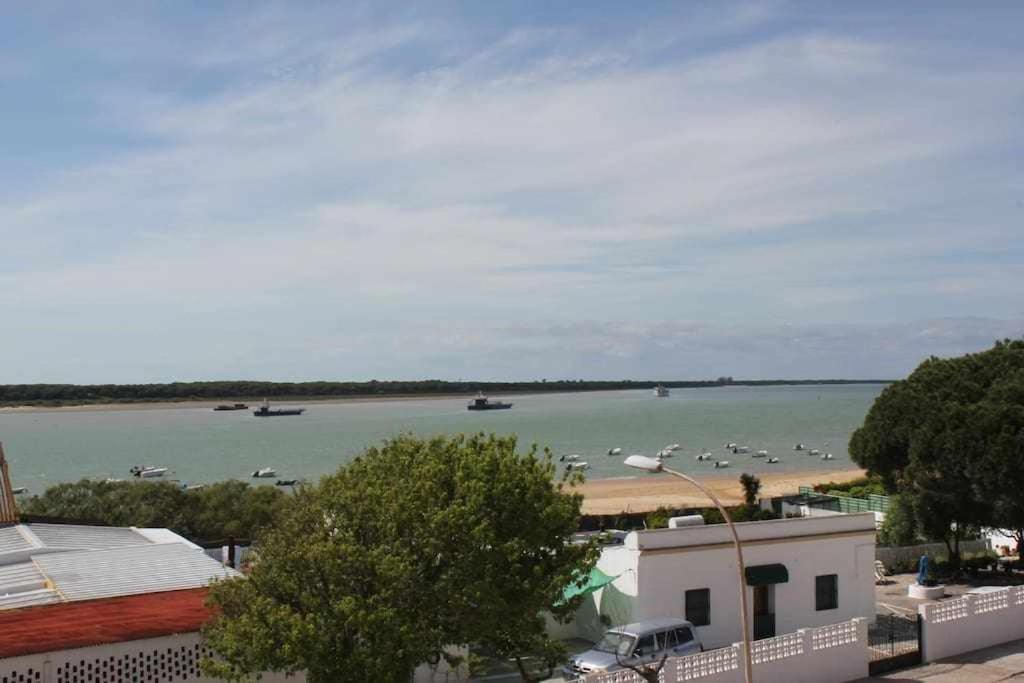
{"points": [[364, 171]]}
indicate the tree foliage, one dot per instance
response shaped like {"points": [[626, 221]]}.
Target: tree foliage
{"points": [[214, 512], [950, 440], [411, 548], [751, 488]]}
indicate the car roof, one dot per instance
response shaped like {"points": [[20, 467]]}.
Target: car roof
{"points": [[639, 627]]}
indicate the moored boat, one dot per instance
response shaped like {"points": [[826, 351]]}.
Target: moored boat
{"points": [[266, 411], [661, 391], [148, 471], [231, 406], [265, 473], [481, 402]]}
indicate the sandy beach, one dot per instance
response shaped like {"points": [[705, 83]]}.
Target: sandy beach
{"points": [[645, 493]]}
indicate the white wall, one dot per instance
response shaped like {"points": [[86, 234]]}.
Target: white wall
{"points": [[656, 569], [827, 654], [970, 623], [170, 658]]}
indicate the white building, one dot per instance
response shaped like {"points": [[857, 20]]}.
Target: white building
{"points": [[800, 573]]}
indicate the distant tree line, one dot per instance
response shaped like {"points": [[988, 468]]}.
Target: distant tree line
{"points": [[64, 394]]}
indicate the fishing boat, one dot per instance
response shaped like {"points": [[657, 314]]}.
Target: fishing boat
{"points": [[286, 482], [661, 391], [826, 456], [577, 466], [761, 454], [481, 402], [721, 463], [148, 472], [230, 406], [814, 451], [772, 461], [570, 458], [265, 473], [741, 449], [614, 451], [18, 490], [266, 411], [704, 456]]}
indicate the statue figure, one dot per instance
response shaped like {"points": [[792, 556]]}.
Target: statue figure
{"points": [[922, 570]]}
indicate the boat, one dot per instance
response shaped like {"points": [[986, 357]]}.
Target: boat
{"points": [[772, 461], [814, 451], [721, 463], [799, 447], [826, 456], [704, 456], [731, 445], [266, 411], [761, 454], [577, 466], [193, 487], [665, 453], [614, 451], [231, 406], [570, 458], [18, 490], [661, 391], [148, 472], [673, 447], [286, 482], [265, 473], [740, 449], [481, 402]]}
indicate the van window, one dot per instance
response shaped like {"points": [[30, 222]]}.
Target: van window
{"points": [[645, 646], [683, 635]]}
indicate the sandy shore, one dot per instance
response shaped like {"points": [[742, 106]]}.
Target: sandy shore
{"points": [[649, 492]]}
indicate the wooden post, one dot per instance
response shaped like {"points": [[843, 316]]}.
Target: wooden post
{"points": [[8, 507]]}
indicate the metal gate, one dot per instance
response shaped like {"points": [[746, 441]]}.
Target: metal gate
{"points": [[894, 642]]}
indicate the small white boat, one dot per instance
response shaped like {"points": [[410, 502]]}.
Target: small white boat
{"points": [[148, 472], [577, 466], [570, 458], [19, 490], [614, 451], [194, 487], [730, 446], [799, 447], [265, 473], [761, 454], [660, 391], [704, 456], [741, 449], [772, 461], [673, 447], [814, 451], [665, 453], [826, 456], [721, 463]]}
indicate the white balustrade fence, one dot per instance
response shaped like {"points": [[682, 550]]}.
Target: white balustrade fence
{"points": [[167, 659], [828, 654], [972, 622]]}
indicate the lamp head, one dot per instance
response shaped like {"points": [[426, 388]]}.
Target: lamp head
{"points": [[642, 462]]}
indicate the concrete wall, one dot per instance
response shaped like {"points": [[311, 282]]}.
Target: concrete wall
{"points": [[168, 659], [828, 654], [972, 622], [655, 570], [912, 553]]}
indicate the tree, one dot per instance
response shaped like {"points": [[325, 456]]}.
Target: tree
{"points": [[948, 439], [412, 547], [900, 525], [751, 487]]}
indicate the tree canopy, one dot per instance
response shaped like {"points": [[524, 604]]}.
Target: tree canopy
{"points": [[950, 440], [214, 512], [412, 548]]}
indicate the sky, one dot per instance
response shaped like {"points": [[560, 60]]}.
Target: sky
{"points": [[527, 190]]}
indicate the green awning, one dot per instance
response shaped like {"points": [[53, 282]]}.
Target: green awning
{"points": [[597, 579], [766, 574]]}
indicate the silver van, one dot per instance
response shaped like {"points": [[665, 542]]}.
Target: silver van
{"points": [[640, 643]]}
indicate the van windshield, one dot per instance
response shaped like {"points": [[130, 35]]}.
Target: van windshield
{"points": [[616, 643]]}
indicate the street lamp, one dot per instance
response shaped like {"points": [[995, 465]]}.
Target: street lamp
{"points": [[642, 462]]}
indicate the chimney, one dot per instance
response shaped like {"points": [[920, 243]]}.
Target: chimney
{"points": [[8, 508]]}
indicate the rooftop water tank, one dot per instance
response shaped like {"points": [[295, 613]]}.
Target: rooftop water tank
{"points": [[687, 520]]}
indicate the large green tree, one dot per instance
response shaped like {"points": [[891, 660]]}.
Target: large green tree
{"points": [[413, 547], [949, 440]]}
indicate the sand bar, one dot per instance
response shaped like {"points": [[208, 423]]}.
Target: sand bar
{"points": [[648, 492]]}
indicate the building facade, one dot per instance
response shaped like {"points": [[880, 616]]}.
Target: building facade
{"points": [[800, 573]]}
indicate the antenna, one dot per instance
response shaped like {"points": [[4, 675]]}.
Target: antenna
{"points": [[8, 508]]}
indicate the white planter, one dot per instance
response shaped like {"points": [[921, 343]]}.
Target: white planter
{"points": [[920, 592]]}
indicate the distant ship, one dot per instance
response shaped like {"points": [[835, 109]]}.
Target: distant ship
{"points": [[481, 402], [266, 411], [660, 391], [231, 406]]}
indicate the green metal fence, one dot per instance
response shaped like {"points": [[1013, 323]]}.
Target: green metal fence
{"points": [[873, 503]]}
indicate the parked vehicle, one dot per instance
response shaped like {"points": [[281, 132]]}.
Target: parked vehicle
{"points": [[641, 643]]}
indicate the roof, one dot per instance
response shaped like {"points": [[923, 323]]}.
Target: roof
{"points": [[48, 563], [96, 622], [129, 571], [638, 627]]}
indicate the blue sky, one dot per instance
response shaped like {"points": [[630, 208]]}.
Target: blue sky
{"points": [[519, 190]]}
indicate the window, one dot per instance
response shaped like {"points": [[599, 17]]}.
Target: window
{"points": [[683, 635], [645, 646], [826, 592], [698, 606]]}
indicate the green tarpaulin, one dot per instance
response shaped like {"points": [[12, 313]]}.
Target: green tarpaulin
{"points": [[597, 579], [766, 574]]}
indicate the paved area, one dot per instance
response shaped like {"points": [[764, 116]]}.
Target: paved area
{"points": [[999, 663], [891, 597]]}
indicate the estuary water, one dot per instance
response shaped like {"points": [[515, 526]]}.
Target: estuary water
{"points": [[200, 445]]}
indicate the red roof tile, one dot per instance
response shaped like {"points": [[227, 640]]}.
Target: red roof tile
{"points": [[96, 622]]}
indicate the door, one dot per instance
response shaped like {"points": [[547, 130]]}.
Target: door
{"points": [[764, 616]]}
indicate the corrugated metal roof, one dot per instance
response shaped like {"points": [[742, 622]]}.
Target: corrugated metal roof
{"points": [[81, 537], [11, 540], [43, 596], [130, 571], [22, 584]]}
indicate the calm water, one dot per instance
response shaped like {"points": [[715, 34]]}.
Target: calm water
{"points": [[201, 445]]}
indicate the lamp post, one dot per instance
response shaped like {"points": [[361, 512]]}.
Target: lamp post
{"points": [[651, 465]]}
